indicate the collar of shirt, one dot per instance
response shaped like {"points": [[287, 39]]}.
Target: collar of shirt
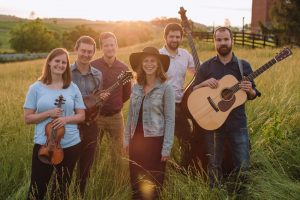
{"points": [[92, 70], [233, 59], [106, 64], [165, 51], [157, 84]]}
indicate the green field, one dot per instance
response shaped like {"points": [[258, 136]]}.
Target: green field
{"points": [[273, 121]]}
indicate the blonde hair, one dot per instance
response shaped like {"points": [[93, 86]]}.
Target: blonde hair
{"points": [[105, 35], [46, 77], [141, 75]]}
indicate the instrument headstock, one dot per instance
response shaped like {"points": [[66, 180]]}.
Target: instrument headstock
{"points": [[184, 21], [59, 101], [286, 52], [125, 77]]}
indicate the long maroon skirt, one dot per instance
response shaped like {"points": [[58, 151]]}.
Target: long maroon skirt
{"points": [[145, 164]]}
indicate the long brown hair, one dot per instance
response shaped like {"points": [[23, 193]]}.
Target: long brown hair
{"points": [[46, 72], [141, 75]]}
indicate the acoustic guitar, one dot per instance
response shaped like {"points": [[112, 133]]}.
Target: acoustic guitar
{"points": [[211, 107], [94, 103]]}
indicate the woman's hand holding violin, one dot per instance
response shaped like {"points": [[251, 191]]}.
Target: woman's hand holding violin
{"points": [[59, 122], [55, 112]]}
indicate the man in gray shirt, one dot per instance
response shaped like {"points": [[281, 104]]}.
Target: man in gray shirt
{"points": [[88, 79]]}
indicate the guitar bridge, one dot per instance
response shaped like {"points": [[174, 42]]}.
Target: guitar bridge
{"points": [[212, 103]]}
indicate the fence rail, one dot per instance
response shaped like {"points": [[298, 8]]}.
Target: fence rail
{"points": [[244, 39]]}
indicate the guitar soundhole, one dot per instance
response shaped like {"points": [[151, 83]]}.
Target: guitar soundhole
{"points": [[227, 94]]}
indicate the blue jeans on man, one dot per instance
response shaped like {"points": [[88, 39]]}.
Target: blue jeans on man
{"points": [[239, 142]]}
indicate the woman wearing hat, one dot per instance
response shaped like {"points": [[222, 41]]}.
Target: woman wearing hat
{"points": [[150, 125]]}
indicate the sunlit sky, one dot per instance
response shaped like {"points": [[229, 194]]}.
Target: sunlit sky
{"points": [[207, 12]]}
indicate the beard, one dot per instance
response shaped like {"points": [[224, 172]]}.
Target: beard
{"points": [[173, 45], [224, 50]]}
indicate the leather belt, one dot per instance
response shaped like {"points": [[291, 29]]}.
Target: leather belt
{"points": [[108, 114]]}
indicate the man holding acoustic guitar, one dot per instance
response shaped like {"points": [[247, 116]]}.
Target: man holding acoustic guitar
{"points": [[235, 126]]}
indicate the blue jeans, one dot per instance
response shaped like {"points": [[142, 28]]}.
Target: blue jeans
{"points": [[239, 142]]}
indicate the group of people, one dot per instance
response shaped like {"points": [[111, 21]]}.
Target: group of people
{"points": [[154, 112]]}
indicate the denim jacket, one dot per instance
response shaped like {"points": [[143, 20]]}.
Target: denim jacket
{"points": [[158, 114]]}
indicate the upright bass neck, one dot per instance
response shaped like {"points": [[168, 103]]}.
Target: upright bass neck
{"points": [[188, 31]]}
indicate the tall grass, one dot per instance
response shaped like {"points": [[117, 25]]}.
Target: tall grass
{"points": [[273, 121]]}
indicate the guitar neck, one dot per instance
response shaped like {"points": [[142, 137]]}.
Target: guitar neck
{"points": [[194, 52], [256, 73], [262, 69]]}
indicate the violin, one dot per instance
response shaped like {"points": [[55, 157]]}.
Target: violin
{"points": [[51, 152]]}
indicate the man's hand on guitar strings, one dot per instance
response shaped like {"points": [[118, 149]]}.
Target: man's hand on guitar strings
{"points": [[247, 87]]}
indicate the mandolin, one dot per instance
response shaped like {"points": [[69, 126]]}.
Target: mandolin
{"points": [[211, 107], [94, 103], [51, 152]]}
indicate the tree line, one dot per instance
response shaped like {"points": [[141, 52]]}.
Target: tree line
{"points": [[34, 36], [285, 21]]}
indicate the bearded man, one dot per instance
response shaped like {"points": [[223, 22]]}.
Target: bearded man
{"points": [[235, 127], [181, 61]]}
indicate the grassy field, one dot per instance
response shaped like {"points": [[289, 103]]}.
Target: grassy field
{"points": [[273, 121]]}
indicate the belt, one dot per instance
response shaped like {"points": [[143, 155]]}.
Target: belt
{"points": [[111, 113]]}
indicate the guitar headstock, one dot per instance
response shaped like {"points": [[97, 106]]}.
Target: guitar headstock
{"points": [[59, 101], [286, 52], [125, 77], [184, 21]]}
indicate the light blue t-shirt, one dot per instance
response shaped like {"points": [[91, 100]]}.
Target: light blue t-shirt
{"points": [[41, 98]]}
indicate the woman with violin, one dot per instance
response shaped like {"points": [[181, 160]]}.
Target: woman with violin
{"points": [[54, 104]]}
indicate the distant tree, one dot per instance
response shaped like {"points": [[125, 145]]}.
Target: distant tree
{"points": [[129, 33], [33, 36], [285, 22], [163, 21], [70, 37]]}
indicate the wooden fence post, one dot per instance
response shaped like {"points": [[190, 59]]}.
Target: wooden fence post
{"points": [[243, 38]]}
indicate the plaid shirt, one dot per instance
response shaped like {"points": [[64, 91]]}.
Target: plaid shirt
{"points": [[87, 83]]}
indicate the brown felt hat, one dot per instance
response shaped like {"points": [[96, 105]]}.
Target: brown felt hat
{"points": [[136, 58]]}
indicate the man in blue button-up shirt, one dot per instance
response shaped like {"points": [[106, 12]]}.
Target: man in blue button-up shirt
{"points": [[235, 127]]}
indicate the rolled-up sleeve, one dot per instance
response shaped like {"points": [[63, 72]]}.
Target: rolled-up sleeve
{"points": [[247, 71]]}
